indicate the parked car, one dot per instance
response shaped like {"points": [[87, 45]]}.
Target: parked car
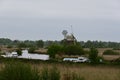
{"points": [[79, 59], [70, 59], [82, 59]]}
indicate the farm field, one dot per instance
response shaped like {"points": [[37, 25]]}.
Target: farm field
{"points": [[106, 57]]}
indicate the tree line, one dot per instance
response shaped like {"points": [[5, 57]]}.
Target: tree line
{"points": [[40, 43], [100, 44]]}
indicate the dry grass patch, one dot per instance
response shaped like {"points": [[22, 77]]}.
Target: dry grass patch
{"points": [[87, 72]]}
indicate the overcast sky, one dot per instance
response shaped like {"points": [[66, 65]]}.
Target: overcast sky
{"points": [[45, 19]]}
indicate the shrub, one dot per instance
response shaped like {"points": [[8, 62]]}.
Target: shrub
{"points": [[19, 52], [93, 55], [22, 45], [40, 43], [18, 71], [74, 50], [54, 49], [9, 46], [31, 49], [110, 52], [116, 48]]}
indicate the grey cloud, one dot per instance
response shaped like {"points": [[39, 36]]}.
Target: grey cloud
{"points": [[45, 19], [61, 8]]}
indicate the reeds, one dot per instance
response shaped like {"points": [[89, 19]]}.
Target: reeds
{"points": [[72, 76], [18, 71], [21, 71], [50, 74]]}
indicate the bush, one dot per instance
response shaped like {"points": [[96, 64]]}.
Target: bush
{"points": [[31, 49], [22, 45], [69, 50], [116, 48], [40, 43], [74, 50], [54, 49], [110, 52], [93, 55], [18, 71], [19, 52]]}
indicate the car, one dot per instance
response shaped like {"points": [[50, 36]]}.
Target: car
{"points": [[70, 59], [79, 59], [82, 59]]}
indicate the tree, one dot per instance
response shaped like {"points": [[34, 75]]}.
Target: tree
{"points": [[31, 49], [22, 45], [5, 41], [74, 50], [30, 43], [48, 43], [40, 43], [54, 49], [93, 55], [110, 52], [19, 52]]}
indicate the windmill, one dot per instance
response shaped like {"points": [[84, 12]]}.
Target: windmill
{"points": [[69, 39]]}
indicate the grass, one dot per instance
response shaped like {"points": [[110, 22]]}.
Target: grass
{"points": [[59, 71], [85, 72], [50, 74], [54, 74], [18, 71], [72, 76], [62, 71], [15, 70]]}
